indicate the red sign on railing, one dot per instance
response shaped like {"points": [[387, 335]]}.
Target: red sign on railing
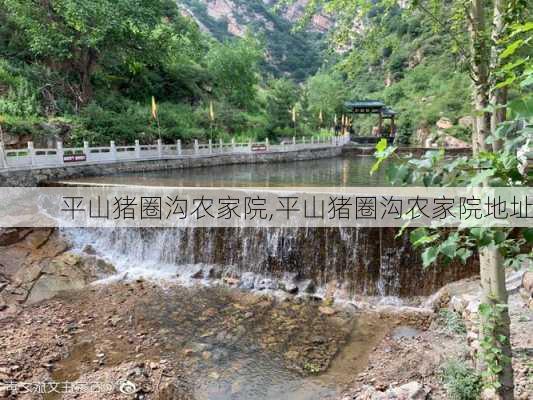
{"points": [[259, 147], [74, 158]]}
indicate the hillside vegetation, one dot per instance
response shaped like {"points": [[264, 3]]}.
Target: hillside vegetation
{"points": [[77, 71]]}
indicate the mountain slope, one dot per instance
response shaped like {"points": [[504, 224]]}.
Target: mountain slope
{"points": [[294, 54]]}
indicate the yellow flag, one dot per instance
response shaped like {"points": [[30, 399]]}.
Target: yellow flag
{"points": [[154, 108], [211, 111]]}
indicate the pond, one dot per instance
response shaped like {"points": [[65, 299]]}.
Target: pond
{"points": [[339, 172]]}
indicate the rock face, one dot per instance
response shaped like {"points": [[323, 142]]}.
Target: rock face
{"points": [[288, 53], [444, 123], [35, 265]]}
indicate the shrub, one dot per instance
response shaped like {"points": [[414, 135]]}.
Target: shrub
{"points": [[461, 381], [451, 321]]}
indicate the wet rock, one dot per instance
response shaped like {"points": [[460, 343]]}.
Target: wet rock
{"points": [[266, 284], [307, 286], [89, 249], [288, 283], [197, 272], [247, 281], [97, 268]]}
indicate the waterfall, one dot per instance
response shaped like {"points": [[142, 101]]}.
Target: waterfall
{"points": [[367, 261]]}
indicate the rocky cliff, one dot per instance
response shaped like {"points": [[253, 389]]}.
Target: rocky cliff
{"points": [[297, 54]]}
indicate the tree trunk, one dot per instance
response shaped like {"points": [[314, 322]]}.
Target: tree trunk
{"points": [[494, 292], [480, 72], [87, 64], [498, 97], [492, 271]]}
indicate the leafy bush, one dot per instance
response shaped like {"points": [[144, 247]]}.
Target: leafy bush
{"points": [[17, 95], [451, 321], [461, 381]]}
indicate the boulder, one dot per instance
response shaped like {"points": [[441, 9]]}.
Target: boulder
{"points": [[247, 281], [63, 273], [288, 283], [466, 122], [412, 391], [527, 282], [307, 286], [444, 123], [422, 135], [453, 142], [9, 236]]}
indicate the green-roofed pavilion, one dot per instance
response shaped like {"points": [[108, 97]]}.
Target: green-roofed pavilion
{"points": [[373, 107]]}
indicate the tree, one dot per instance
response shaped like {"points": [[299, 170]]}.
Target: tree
{"points": [[485, 168], [72, 35], [282, 97], [234, 66], [326, 94]]}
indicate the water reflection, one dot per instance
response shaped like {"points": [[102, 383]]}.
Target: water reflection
{"points": [[340, 171]]}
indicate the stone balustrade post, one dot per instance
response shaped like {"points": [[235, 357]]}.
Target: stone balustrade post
{"points": [[221, 143], [86, 149], [312, 140], [137, 149], [303, 139], [159, 148], [60, 152], [31, 153], [294, 140], [232, 144], [3, 161], [267, 144], [178, 147], [250, 145], [113, 150], [196, 147], [210, 145]]}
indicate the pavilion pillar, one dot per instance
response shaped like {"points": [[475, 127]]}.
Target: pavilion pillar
{"points": [[392, 126]]}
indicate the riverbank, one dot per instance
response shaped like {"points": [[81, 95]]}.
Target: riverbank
{"points": [[219, 342]]}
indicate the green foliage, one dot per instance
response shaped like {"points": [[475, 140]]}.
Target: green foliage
{"points": [[234, 68], [325, 94], [282, 97], [491, 344], [20, 98], [461, 382], [451, 321]]}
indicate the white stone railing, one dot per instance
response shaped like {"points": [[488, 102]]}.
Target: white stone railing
{"points": [[30, 157]]}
